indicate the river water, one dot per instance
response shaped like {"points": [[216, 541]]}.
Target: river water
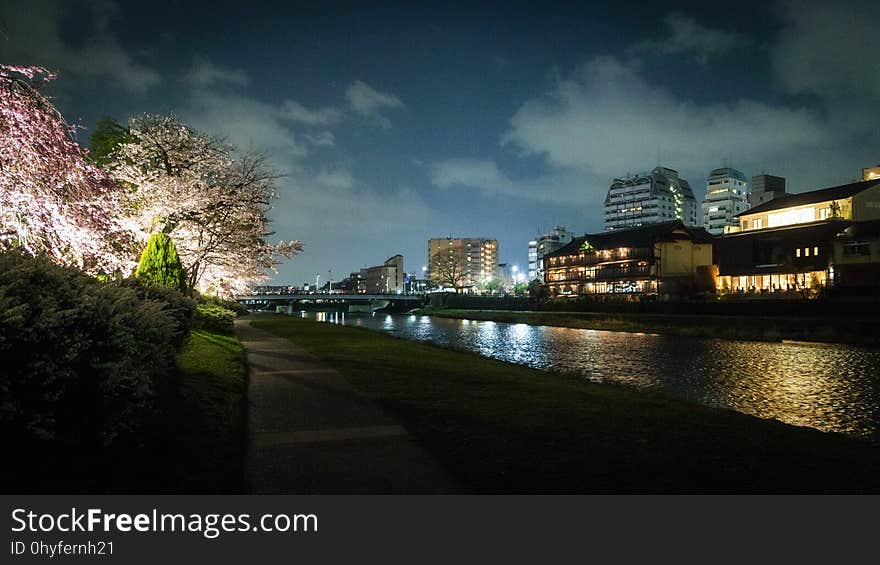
{"points": [[829, 387]]}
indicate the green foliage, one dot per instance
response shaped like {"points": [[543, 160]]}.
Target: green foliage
{"points": [[81, 358], [520, 288], [160, 265], [214, 318], [538, 290], [233, 305], [207, 415], [105, 139], [175, 305]]}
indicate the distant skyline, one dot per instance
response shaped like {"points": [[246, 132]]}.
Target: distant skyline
{"points": [[396, 123]]}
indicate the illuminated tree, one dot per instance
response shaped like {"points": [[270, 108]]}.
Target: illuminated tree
{"points": [[52, 200], [212, 202], [160, 264]]}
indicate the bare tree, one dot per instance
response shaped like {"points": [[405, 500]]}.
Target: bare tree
{"points": [[446, 270]]}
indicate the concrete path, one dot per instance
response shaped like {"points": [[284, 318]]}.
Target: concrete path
{"points": [[311, 432]]}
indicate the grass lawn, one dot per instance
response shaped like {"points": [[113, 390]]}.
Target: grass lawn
{"points": [[207, 415], [502, 428]]}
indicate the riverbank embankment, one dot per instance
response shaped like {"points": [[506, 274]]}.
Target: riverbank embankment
{"points": [[854, 330], [504, 428]]}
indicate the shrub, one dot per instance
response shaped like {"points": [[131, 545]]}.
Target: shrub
{"points": [[213, 317], [175, 304], [80, 357], [236, 307], [160, 265]]}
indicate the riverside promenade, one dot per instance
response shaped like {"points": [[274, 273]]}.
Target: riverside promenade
{"points": [[311, 432]]}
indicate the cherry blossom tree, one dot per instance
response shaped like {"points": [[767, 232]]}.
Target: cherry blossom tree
{"points": [[211, 201], [52, 200]]}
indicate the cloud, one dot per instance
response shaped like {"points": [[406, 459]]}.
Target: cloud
{"points": [[831, 50], [36, 38], [686, 35], [368, 102], [296, 112], [321, 139], [475, 173], [204, 74], [247, 122], [606, 119], [338, 178]]}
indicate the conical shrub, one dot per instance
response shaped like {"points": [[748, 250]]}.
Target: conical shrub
{"points": [[160, 264]]}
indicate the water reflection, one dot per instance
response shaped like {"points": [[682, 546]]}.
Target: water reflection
{"points": [[832, 388]]}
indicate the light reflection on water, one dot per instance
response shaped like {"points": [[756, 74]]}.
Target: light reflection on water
{"points": [[832, 388]]}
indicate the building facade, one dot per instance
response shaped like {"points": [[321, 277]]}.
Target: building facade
{"points": [[765, 188], [462, 263], [542, 246], [727, 196], [649, 198], [387, 278], [667, 258], [858, 201], [533, 260], [800, 244]]}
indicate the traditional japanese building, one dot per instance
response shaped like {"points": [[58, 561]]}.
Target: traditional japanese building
{"points": [[803, 243], [666, 258], [858, 201]]}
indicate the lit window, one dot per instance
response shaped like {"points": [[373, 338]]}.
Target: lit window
{"points": [[815, 251], [806, 251], [798, 252]]}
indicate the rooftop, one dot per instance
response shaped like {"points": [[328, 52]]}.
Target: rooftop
{"points": [[636, 237], [812, 197]]}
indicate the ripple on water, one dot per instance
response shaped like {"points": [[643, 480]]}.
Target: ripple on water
{"points": [[832, 388]]}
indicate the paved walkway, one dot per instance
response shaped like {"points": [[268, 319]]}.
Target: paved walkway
{"points": [[311, 432]]}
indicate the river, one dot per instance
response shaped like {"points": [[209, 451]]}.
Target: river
{"points": [[829, 387]]}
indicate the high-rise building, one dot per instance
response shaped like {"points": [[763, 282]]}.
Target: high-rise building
{"points": [[649, 198], [544, 245], [765, 188], [533, 259], [727, 193], [462, 262]]}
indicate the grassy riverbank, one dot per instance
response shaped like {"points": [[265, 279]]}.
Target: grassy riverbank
{"points": [[503, 428], [207, 415], [757, 328]]}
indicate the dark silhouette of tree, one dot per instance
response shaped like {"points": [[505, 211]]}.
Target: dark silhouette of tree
{"points": [[108, 135], [446, 270], [538, 290]]}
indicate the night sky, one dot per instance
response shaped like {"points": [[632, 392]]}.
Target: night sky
{"points": [[394, 124]]}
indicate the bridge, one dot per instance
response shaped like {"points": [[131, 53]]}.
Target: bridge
{"points": [[355, 302], [349, 297]]}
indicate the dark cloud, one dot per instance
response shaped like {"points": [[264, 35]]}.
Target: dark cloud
{"points": [[35, 37], [684, 35]]}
